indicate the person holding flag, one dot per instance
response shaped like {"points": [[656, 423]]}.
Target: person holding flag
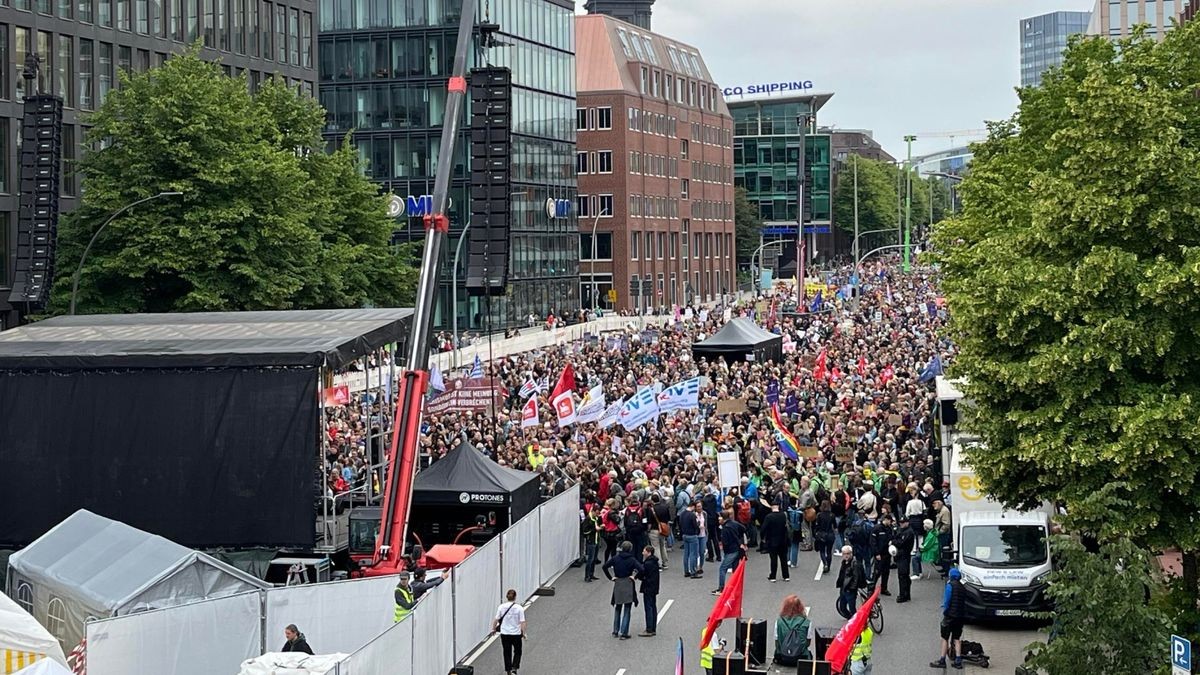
{"points": [[788, 444], [563, 397], [727, 606], [477, 369]]}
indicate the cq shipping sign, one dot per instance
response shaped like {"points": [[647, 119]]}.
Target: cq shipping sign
{"points": [[769, 88]]}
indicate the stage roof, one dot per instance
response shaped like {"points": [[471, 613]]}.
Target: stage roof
{"points": [[332, 338]]}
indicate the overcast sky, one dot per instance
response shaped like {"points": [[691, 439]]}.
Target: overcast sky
{"points": [[894, 66]]}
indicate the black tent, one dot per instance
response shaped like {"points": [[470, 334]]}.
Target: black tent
{"points": [[740, 340], [464, 484]]}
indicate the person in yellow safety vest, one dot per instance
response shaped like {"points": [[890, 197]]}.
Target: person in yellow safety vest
{"points": [[405, 599], [536, 459], [860, 656], [706, 653]]}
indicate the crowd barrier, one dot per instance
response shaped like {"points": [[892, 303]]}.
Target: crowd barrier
{"points": [[213, 637], [199, 638]]}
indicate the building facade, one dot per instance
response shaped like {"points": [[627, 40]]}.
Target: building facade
{"points": [[861, 142], [636, 12], [383, 71], [655, 165], [82, 44], [1116, 18], [1043, 41], [766, 161]]}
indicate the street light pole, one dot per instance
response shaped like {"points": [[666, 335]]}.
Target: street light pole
{"points": [[96, 234], [802, 122], [908, 203], [855, 254], [758, 254], [595, 222], [454, 291]]}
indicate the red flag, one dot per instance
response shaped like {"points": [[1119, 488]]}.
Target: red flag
{"points": [[562, 400], [840, 648], [529, 412], [729, 603], [862, 366], [887, 374], [835, 374], [819, 371]]}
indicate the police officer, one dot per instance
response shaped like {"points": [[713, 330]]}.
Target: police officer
{"points": [[405, 598], [903, 541]]}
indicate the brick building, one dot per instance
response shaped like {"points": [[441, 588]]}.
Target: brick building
{"points": [[654, 158]]}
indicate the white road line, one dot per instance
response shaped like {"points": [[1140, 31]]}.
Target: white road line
{"points": [[820, 570], [488, 642], [621, 672], [663, 612]]}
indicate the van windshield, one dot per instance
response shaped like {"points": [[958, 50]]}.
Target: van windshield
{"points": [[1004, 545]]}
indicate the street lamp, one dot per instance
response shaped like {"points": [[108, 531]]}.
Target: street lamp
{"points": [[595, 222], [87, 249], [908, 201], [454, 290], [954, 179], [758, 254]]}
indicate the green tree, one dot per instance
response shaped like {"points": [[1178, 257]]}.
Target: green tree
{"points": [[747, 225], [876, 200], [267, 220], [1073, 277]]}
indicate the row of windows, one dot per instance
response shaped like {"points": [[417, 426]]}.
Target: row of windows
{"points": [[690, 91], [652, 122], [544, 255], [717, 282], [767, 119], [710, 135], [384, 58], [593, 119], [653, 207], [534, 160], [603, 244], [704, 245], [594, 162], [653, 165], [587, 206], [704, 172], [258, 28], [1131, 12], [780, 150]]}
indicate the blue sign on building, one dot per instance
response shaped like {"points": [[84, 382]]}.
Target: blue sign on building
{"points": [[769, 88], [558, 208], [1181, 655], [777, 230], [816, 229]]}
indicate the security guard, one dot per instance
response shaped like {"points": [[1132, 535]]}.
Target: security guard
{"points": [[860, 656], [405, 599]]}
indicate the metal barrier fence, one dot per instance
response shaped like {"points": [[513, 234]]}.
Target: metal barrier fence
{"points": [[213, 637]]}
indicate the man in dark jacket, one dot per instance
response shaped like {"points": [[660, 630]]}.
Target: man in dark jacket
{"points": [[589, 531], [733, 543], [624, 566], [903, 540], [420, 585], [689, 528], [774, 534], [649, 577], [881, 538], [953, 613], [636, 528], [712, 518], [851, 577]]}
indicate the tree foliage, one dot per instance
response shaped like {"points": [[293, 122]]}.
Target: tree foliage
{"points": [[747, 225], [267, 219], [881, 191], [1073, 278]]}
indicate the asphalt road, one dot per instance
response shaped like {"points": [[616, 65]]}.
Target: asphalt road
{"points": [[569, 633]]}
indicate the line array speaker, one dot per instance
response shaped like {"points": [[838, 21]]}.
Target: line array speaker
{"points": [[491, 181], [37, 221]]}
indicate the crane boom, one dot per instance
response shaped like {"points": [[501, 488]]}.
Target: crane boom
{"points": [[414, 380]]}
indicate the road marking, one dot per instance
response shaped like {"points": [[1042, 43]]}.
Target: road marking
{"points": [[621, 672], [663, 612], [820, 570], [490, 640]]}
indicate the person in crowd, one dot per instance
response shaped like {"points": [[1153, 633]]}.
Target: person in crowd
{"points": [[733, 543], [690, 527], [903, 542], [774, 534], [404, 596], [621, 570], [860, 655], [295, 640], [660, 526], [510, 623], [420, 586], [881, 545], [637, 527], [930, 549], [823, 534], [589, 532], [650, 585], [793, 633], [610, 521], [851, 577], [942, 526], [953, 615]]}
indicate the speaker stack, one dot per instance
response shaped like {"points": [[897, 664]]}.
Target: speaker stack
{"points": [[757, 649], [37, 221], [491, 180]]}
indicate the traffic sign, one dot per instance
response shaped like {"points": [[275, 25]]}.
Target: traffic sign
{"points": [[1181, 656]]}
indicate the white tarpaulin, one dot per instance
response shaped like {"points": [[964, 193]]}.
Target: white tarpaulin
{"points": [[519, 550], [291, 663], [433, 631], [202, 638], [44, 667], [559, 523], [341, 616], [390, 653], [23, 640], [477, 592]]}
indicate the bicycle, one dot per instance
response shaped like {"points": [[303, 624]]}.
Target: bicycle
{"points": [[876, 616]]}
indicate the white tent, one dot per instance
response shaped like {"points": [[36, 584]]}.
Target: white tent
{"points": [[44, 667], [90, 567], [23, 640]]}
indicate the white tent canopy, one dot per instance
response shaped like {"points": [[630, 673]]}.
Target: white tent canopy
{"points": [[44, 667], [88, 566], [22, 639]]}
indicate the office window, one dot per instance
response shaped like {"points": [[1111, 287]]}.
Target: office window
{"points": [[104, 64], [237, 14], [581, 162], [252, 29], [605, 161], [222, 28], [143, 60], [603, 246], [645, 79], [581, 119], [68, 160], [306, 40], [5, 141], [5, 70], [210, 23], [635, 239], [656, 84], [142, 16], [193, 20], [124, 15], [86, 68], [66, 8], [267, 11], [43, 6], [156, 18], [583, 206], [85, 13], [281, 33], [66, 70], [662, 245], [294, 37], [43, 52], [605, 206], [604, 118], [124, 60], [684, 184]]}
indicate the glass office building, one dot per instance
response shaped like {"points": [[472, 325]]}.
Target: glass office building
{"points": [[766, 158], [1043, 41], [383, 68], [1116, 18]]}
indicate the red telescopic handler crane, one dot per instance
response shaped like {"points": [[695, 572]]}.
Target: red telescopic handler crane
{"points": [[414, 380]]}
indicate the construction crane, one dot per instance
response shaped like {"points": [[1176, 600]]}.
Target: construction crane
{"points": [[965, 133], [414, 380]]}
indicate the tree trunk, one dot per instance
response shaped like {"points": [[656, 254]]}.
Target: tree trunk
{"points": [[1191, 582]]}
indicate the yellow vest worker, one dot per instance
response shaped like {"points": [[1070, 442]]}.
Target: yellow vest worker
{"points": [[404, 598], [862, 648], [536, 459], [706, 652]]}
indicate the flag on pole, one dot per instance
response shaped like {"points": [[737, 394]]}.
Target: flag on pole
{"points": [[437, 381], [680, 396], [787, 442], [477, 369], [612, 414], [591, 409], [887, 374], [639, 409], [819, 371], [679, 658], [528, 389], [563, 398], [862, 366], [932, 370], [844, 641], [728, 604], [529, 413]]}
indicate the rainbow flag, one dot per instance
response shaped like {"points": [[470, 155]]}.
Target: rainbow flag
{"points": [[679, 658], [787, 442]]}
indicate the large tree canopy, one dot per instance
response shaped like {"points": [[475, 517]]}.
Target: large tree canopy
{"points": [[1073, 279], [267, 219]]}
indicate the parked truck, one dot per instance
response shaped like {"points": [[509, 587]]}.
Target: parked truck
{"points": [[1003, 554]]}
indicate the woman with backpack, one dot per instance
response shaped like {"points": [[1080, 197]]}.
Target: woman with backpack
{"points": [[823, 533], [793, 633], [610, 522]]}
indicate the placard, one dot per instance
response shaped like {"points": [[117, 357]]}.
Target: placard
{"points": [[810, 452], [729, 470], [468, 395], [895, 420], [731, 406], [843, 454]]}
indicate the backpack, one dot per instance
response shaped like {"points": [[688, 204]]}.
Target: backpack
{"points": [[794, 645], [795, 517], [743, 512]]}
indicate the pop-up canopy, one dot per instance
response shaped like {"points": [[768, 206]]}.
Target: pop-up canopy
{"points": [[740, 340], [23, 640]]}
